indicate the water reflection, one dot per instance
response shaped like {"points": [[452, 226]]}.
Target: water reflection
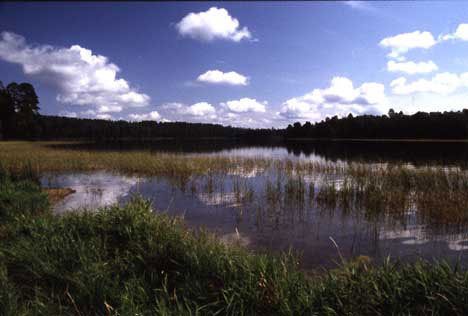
{"points": [[415, 153], [267, 210], [92, 190]]}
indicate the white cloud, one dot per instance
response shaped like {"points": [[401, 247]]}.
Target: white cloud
{"points": [[461, 33], [183, 111], [212, 24], [360, 5], [250, 113], [245, 105], [219, 77], [411, 67], [104, 117], [402, 43], [198, 109], [68, 114], [341, 98], [109, 108], [429, 102], [151, 116], [442, 83], [81, 77], [88, 113]]}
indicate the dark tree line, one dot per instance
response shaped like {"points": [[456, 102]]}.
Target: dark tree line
{"points": [[421, 125], [20, 119], [56, 127]]}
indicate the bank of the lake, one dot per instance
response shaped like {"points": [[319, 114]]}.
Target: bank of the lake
{"points": [[271, 198], [128, 260]]}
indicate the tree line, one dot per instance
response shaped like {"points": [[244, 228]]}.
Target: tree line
{"points": [[20, 119], [421, 125]]}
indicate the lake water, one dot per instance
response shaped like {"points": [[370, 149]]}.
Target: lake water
{"points": [[236, 206]]}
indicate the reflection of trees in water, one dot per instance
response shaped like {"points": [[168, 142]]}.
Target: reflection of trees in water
{"points": [[168, 145], [417, 153]]}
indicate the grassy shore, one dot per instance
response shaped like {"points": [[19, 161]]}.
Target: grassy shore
{"points": [[131, 261]]}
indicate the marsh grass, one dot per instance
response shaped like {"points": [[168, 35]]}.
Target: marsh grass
{"points": [[438, 195], [127, 260], [20, 194]]}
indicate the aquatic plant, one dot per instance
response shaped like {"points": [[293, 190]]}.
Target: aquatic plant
{"points": [[378, 191], [128, 260]]}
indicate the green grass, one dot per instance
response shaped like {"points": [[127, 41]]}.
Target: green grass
{"points": [[20, 194], [130, 261]]}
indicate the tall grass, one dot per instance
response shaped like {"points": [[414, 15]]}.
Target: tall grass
{"points": [[20, 194], [127, 260], [130, 261], [438, 195]]}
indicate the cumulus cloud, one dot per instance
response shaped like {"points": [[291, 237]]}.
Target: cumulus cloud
{"points": [[245, 105], [411, 67], [341, 98], [81, 77], [443, 83], [244, 112], [108, 108], [402, 43], [151, 116], [200, 109], [461, 33], [219, 77], [212, 24]]}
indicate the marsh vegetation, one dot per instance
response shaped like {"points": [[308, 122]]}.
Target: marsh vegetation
{"points": [[229, 234], [129, 260], [263, 196]]}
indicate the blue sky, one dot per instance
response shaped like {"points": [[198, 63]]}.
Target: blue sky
{"points": [[256, 64]]}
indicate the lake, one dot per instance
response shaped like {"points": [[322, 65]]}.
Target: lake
{"points": [[261, 209]]}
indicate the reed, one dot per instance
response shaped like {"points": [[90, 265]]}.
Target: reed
{"points": [[438, 195], [127, 260]]}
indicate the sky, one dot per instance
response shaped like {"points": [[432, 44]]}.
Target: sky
{"points": [[249, 64]]}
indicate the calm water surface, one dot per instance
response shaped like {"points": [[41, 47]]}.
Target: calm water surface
{"points": [[236, 207]]}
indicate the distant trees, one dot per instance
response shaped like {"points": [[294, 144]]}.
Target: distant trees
{"points": [[19, 109], [20, 119], [56, 127], [421, 125]]}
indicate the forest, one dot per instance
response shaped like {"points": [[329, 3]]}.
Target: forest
{"points": [[20, 119], [421, 125]]}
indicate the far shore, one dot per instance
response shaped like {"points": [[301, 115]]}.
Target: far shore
{"points": [[387, 140], [267, 141]]}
